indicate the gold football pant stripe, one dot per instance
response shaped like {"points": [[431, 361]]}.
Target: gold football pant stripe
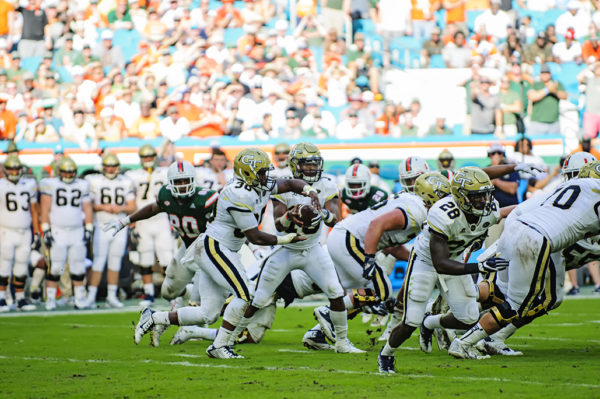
{"points": [[538, 280], [406, 283], [358, 253], [226, 268]]}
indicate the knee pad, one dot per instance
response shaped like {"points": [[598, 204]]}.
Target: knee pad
{"points": [[77, 277], [495, 297], [53, 277], [503, 314], [19, 281], [286, 290], [469, 314], [3, 281], [145, 270]]}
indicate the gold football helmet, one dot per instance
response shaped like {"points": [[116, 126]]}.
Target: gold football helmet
{"points": [[148, 156], [13, 168], [445, 160], [110, 165], [591, 169], [306, 162], [252, 166], [432, 186], [472, 190], [67, 170], [282, 154]]}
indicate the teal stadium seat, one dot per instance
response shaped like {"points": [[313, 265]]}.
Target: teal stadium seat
{"points": [[232, 35], [128, 41], [31, 64], [471, 15], [437, 61]]}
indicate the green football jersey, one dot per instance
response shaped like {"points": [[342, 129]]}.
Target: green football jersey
{"points": [[188, 217], [356, 205]]}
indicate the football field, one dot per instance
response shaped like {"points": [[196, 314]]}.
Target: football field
{"points": [[92, 354]]}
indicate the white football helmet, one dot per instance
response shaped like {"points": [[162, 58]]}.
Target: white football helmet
{"points": [[573, 163], [182, 179], [358, 181], [410, 169]]}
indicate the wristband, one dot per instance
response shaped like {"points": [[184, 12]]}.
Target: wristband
{"points": [[306, 190], [285, 221], [89, 226], [327, 216], [45, 226], [471, 268], [286, 239], [126, 221]]}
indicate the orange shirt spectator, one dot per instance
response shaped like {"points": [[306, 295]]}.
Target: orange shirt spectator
{"points": [[385, 124], [478, 4], [590, 48], [8, 122], [228, 16], [155, 30], [589, 148], [147, 126], [211, 124], [6, 9], [418, 14], [456, 11]]}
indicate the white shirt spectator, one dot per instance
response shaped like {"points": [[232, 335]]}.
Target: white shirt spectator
{"points": [[337, 91], [495, 23], [564, 54], [347, 130], [328, 121], [249, 111], [174, 129], [277, 111], [580, 21], [394, 16], [129, 112], [256, 132], [540, 5], [218, 53]]}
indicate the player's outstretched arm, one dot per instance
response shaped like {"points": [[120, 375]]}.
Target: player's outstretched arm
{"points": [[142, 214], [498, 171], [299, 186]]}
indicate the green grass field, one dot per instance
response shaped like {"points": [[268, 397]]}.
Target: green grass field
{"points": [[93, 355]]}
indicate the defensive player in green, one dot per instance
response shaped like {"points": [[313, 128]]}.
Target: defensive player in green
{"points": [[358, 194]]}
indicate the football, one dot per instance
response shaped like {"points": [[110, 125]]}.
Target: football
{"points": [[308, 214]]}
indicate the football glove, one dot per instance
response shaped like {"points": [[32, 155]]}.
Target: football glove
{"points": [[48, 240], [88, 233], [370, 267], [492, 264], [528, 168], [378, 309], [37, 242], [116, 225]]}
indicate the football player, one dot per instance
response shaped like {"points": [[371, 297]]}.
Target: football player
{"points": [[308, 255], [358, 194], [409, 170], [551, 223], [445, 162], [113, 196], [239, 212], [454, 224], [281, 155], [189, 209], [63, 201], [18, 213], [215, 176], [154, 233]]}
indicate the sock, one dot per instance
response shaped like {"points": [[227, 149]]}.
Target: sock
{"points": [[79, 292], [348, 302], [36, 279], [92, 292], [149, 289], [340, 324], [201, 332], [3, 294], [223, 337], [190, 315], [432, 321], [112, 291], [504, 333], [388, 350], [161, 318], [243, 323], [473, 336], [19, 296], [51, 293]]}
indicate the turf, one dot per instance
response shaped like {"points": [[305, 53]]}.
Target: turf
{"points": [[93, 355]]}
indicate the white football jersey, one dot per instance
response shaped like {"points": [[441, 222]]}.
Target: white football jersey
{"points": [[15, 202], [239, 208], [281, 173], [66, 210], [147, 185], [415, 214], [568, 214], [103, 191], [207, 178], [582, 252], [445, 218], [327, 189]]}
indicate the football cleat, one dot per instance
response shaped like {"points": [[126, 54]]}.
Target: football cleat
{"points": [[91, 304], [491, 347], [113, 303], [442, 338], [81, 303], [322, 315], [224, 352], [36, 296], [4, 306], [315, 339], [387, 364], [155, 334], [461, 350], [597, 290], [425, 336], [380, 321], [144, 325], [50, 304], [182, 335], [24, 306], [346, 347]]}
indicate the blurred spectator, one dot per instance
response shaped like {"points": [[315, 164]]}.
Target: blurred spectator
{"points": [[567, 51], [550, 32], [524, 153], [590, 50], [585, 144], [316, 128], [249, 105], [376, 180], [539, 51], [291, 130], [335, 81], [127, 109], [423, 17], [110, 127], [456, 13], [591, 116], [357, 105], [576, 17], [392, 19], [267, 125], [456, 53], [408, 127], [119, 17], [79, 130], [110, 56], [439, 128], [335, 13], [432, 46], [254, 133], [147, 125], [8, 121], [7, 11], [486, 117], [49, 117], [35, 39], [526, 31], [39, 132], [520, 84], [360, 63], [326, 119], [510, 106], [66, 56], [228, 16], [495, 20], [512, 50], [312, 30], [544, 96], [167, 154], [351, 128], [388, 123], [174, 126]]}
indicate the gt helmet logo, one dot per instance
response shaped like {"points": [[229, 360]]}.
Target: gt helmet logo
{"points": [[249, 160]]}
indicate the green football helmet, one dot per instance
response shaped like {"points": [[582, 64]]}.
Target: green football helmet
{"points": [[306, 162], [472, 190], [252, 166], [590, 170], [13, 168], [431, 187], [148, 152], [67, 170], [110, 160]]}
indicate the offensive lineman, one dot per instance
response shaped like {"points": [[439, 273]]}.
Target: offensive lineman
{"points": [[154, 233], [113, 196], [18, 213], [63, 200]]}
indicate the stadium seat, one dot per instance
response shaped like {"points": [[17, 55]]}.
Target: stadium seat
{"points": [[128, 41], [64, 76], [337, 170], [471, 15], [31, 64], [437, 61], [232, 35]]}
